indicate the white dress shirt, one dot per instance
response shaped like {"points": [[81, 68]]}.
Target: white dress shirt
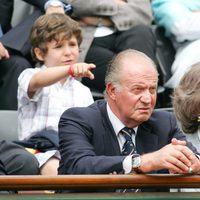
{"points": [[117, 126]]}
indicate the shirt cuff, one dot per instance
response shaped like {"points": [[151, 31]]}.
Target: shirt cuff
{"points": [[52, 3], [127, 164], [67, 7]]}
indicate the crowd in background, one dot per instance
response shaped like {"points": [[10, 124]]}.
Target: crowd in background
{"points": [[92, 44]]}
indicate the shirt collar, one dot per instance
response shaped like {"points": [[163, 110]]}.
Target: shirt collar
{"points": [[116, 123]]}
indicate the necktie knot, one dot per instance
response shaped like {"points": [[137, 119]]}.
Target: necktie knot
{"points": [[127, 133]]}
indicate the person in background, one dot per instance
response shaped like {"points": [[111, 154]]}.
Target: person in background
{"points": [[44, 93], [110, 27], [181, 21], [15, 47], [186, 104], [15, 160], [123, 133]]}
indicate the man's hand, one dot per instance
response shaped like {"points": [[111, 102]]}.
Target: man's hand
{"points": [[3, 52], [194, 163], [175, 157], [174, 141]]}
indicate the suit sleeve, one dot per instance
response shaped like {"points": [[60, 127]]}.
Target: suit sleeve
{"points": [[78, 154], [93, 7], [6, 11], [37, 3], [134, 13], [40, 3]]}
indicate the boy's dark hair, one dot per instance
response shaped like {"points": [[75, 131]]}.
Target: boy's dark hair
{"points": [[55, 26]]}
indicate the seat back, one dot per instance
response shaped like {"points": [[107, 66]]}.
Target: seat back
{"points": [[8, 125], [165, 52]]}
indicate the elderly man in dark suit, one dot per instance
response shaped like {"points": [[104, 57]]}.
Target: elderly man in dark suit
{"points": [[92, 139]]}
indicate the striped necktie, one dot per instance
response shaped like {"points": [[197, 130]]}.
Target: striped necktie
{"points": [[128, 147]]}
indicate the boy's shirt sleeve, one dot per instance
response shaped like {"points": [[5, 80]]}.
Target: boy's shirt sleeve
{"points": [[23, 83]]}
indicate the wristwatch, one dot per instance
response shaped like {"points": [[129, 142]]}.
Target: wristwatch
{"points": [[54, 3], [136, 163]]}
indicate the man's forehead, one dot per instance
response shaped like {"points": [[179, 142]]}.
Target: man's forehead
{"points": [[141, 82], [146, 73], [138, 65]]}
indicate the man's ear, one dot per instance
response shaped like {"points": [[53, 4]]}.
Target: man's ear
{"points": [[111, 91], [39, 54]]}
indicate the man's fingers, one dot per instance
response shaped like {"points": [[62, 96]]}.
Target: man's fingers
{"points": [[174, 141]]}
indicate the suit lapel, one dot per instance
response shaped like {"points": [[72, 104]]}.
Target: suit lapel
{"points": [[146, 139], [109, 136]]}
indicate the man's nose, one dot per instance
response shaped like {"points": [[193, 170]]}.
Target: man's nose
{"points": [[146, 96]]}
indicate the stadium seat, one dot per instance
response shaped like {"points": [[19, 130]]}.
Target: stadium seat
{"points": [[8, 125]]}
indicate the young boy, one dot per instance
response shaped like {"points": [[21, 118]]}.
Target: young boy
{"points": [[45, 93]]}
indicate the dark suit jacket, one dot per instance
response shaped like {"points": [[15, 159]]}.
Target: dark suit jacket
{"points": [[18, 37], [88, 144], [6, 11]]}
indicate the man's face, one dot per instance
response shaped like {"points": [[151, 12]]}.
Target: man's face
{"points": [[136, 98]]}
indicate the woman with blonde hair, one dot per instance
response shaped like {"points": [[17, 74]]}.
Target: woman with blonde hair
{"points": [[186, 103]]}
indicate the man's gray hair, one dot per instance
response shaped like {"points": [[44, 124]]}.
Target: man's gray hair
{"points": [[113, 72]]}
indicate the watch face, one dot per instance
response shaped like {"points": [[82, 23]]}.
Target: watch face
{"points": [[136, 162]]}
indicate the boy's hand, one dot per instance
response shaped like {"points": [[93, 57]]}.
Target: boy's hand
{"points": [[82, 70]]}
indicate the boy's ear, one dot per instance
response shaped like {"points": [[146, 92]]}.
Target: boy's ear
{"points": [[39, 54]]}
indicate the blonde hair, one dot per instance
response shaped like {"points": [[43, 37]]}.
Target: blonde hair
{"points": [[186, 100]]}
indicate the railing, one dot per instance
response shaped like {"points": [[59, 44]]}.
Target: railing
{"points": [[98, 182]]}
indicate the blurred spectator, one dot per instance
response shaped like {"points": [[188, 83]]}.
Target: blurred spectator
{"points": [[181, 20], [15, 47], [6, 11], [110, 27], [15, 160], [186, 103]]}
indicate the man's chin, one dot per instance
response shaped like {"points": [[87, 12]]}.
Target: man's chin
{"points": [[143, 117]]}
